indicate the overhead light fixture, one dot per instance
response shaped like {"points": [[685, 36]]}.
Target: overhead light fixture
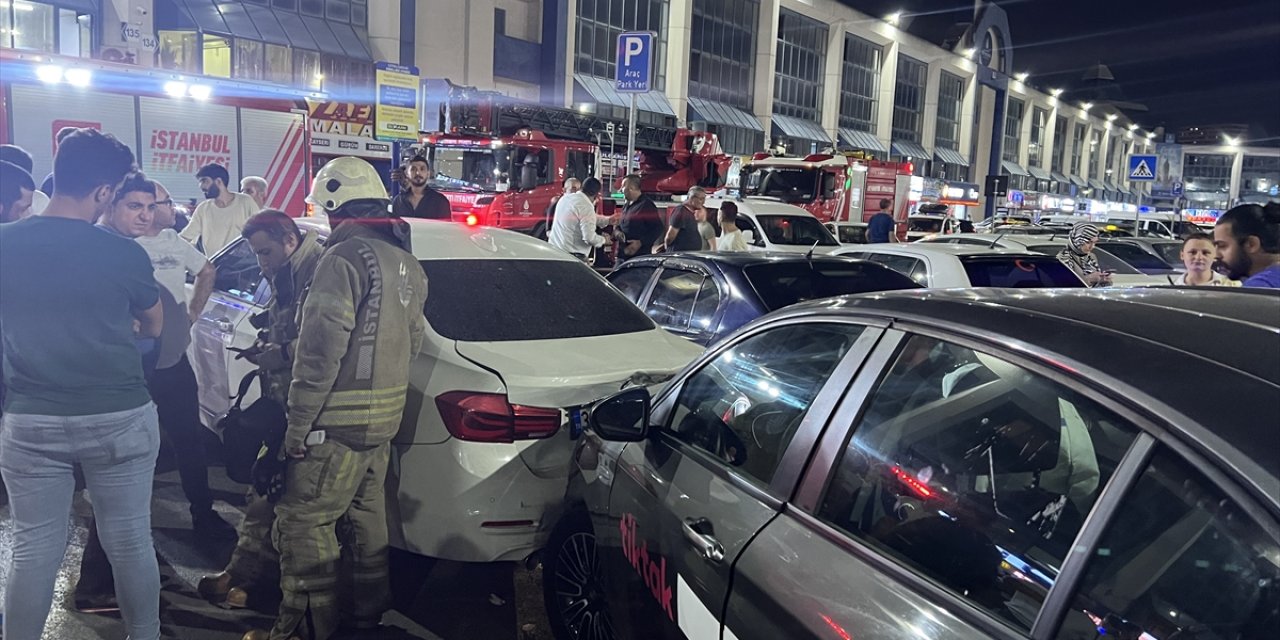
{"points": [[19, 6], [1151, 135], [49, 73], [893, 18], [1055, 92], [78, 77], [968, 53], [1022, 76], [1111, 117], [1133, 126], [175, 89], [1231, 142], [1086, 105], [200, 91]]}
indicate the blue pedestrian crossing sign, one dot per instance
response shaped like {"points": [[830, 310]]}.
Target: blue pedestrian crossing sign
{"points": [[1142, 168], [635, 61]]}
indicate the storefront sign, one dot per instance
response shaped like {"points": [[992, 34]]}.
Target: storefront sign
{"points": [[396, 112], [344, 128]]}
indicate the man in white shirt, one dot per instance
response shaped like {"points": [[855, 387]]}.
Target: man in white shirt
{"points": [[255, 187], [573, 228], [218, 220]]}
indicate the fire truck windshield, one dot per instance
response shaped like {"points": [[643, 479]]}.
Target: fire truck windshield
{"points": [[789, 184], [469, 168]]}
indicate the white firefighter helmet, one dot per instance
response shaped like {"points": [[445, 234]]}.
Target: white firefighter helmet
{"points": [[344, 180]]}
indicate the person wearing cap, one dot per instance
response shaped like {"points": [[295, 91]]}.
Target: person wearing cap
{"points": [[1078, 255], [361, 323]]}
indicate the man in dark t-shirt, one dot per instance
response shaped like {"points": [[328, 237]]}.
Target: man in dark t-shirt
{"points": [[682, 235], [70, 299], [881, 227], [420, 200]]}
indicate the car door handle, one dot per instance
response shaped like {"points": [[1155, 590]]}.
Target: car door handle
{"points": [[708, 547], [224, 325]]}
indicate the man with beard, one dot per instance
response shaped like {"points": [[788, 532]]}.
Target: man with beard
{"points": [[1248, 241], [218, 220], [420, 200]]}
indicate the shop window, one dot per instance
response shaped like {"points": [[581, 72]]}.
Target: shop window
{"points": [[359, 16], [179, 50], [306, 69], [312, 8], [249, 60], [75, 34], [217, 56], [338, 10], [32, 26], [279, 64]]}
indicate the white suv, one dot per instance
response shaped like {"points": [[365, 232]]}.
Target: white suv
{"points": [[519, 334]]}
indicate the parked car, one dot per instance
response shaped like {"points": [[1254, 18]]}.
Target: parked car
{"points": [[705, 296], [518, 332], [944, 465], [1150, 255], [943, 265], [1123, 274], [769, 225], [924, 225], [848, 232]]}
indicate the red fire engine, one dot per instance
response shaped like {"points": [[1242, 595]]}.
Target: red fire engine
{"points": [[502, 162], [834, 188]]}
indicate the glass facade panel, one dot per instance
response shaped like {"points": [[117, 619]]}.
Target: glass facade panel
{"points": [[1077, 149], [1013, 130], [250, 64], [1095, 151], [32, 25], [1259, 178], [802, 55], [606, 20], [1035, 146], [908, 99], [859, 84], [279, 64], [179, 50], [950, 99], [306, 69], [722, 55], [75, 33], [1059, 144], [217, 56]]}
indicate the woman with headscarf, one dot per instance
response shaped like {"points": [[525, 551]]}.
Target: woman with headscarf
{"points": [[1078, 256]]}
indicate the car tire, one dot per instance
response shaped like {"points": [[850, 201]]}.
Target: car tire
{"points": [[539, 231], [573, 582]]}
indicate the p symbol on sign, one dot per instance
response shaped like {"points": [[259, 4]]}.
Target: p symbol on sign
{"points": [[631, 46]]}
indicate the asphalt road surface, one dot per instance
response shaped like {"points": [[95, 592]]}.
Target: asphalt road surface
{"points": [[434, 599]]}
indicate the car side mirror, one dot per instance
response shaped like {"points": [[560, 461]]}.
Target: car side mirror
{"points": [[622, 417]]}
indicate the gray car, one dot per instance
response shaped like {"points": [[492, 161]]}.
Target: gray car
{"points": [[941, 464]]}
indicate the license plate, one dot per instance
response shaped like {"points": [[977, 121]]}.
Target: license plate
{"points": [[577, 422]]}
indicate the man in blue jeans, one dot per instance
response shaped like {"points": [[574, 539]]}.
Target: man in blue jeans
{"points": [[70, 299]]}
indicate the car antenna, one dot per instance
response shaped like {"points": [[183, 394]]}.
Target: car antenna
{"points": [[994, 242], [809, 256]]}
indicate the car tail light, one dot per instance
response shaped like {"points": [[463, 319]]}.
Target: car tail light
{"points": [[489, 417], [472, 220]]}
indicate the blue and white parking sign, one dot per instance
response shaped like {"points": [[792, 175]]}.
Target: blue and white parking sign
{"points": [[635, 61], [1142, 168]]}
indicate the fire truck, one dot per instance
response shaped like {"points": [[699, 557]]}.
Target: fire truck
{"points": [[502, 162], [834, 188]]}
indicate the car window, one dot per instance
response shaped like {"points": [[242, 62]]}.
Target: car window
{"points": [[745, 224], [782, 284], [239, 275], [796, 231], [1136, 256], [1018, 272], [1179, 560], [853, 235], [744, 406], [502, 300], [1108, 261], [1170, 252], [632, 282], [913, 268], [704, 310], [975, 473], [674, 297]]}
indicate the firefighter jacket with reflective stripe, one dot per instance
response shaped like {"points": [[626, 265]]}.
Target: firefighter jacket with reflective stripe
{"points": [[362, 323], [287, 289]]}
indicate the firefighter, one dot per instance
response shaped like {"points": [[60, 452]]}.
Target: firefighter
{"points": [[361, 321], [289, 258]]}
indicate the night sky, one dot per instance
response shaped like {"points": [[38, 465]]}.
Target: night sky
{"points": [[1191, 62]]}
